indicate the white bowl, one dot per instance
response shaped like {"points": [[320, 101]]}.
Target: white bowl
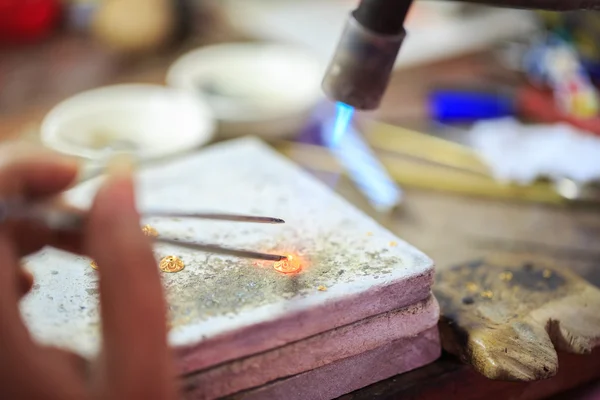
{"points": [[253, 88], [149, 121]]}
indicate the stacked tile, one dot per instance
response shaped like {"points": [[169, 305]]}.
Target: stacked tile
{"points": [[359, 310]]}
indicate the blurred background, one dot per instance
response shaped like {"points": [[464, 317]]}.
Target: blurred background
{"points": [[255, 66], [487, 136]]}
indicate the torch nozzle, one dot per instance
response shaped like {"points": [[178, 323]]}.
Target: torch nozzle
{"points": [[360, 70]]}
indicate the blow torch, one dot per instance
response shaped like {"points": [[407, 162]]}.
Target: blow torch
{"points": [[360, 70]]}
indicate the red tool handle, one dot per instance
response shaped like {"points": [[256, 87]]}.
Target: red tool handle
{"points": [[538, 105], [27, 20]]}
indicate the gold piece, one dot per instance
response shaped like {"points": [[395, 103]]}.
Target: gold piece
{"points": [[369, 233], [472, 287], [149, 231], [506, 276], [487, 294], [322, 288], [171, 264], [393, 244], [288, 265], [547, 273], [94, 265]]}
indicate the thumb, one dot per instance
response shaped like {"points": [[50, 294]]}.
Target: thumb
{"points": [[132, 304]]}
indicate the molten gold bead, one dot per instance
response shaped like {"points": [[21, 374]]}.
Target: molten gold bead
{"points": [[288, 265]]}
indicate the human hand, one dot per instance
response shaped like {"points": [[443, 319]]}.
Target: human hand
{"points": [[135, 361]]}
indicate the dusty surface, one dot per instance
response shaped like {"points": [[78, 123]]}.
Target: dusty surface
{"points": [[231, 307]]}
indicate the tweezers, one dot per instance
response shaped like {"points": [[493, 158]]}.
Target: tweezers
{"points": [[60, 217]]}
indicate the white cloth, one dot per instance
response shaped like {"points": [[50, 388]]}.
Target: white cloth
{"points": [[519, 153]]}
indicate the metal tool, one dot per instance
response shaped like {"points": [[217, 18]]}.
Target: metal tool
{"points": [[60, 217], [360, 70]]}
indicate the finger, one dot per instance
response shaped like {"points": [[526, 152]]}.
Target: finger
{"points": [[30, 237], [22, 174], [25, 279], [72, 362], [136, 358], [16, 346], [31, 172], [58, 374]]}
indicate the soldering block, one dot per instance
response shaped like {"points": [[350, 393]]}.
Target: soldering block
{"points": [[321, 350], [224, 308]]}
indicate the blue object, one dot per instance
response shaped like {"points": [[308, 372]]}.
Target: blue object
{"points": [[593, 69], [467, 106], [343, 117]]}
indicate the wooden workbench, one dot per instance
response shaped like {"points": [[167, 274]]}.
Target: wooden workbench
{"points": [[451, 229]]}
